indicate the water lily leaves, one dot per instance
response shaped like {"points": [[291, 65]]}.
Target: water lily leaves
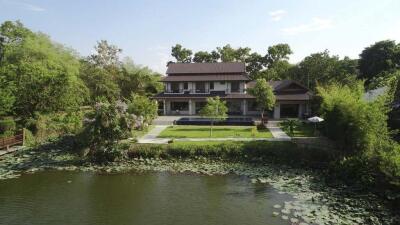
{"points": [[275, 213], [285, 217], [277, 206]]}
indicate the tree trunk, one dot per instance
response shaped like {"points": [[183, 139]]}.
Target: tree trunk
{"points": [[212, 122]]}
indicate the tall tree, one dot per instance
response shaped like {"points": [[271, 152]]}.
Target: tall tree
{"points": [[227, 53], [206, 57], [323, 68], [182, 55], [277, 53], [215, 109], [264, 94], [383, 56], [138, 79], [42, 73]]}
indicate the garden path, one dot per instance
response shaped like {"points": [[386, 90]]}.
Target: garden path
{"points": [[276, 131]]}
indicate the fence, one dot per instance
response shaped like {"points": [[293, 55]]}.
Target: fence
{"points": [[19, 138]]}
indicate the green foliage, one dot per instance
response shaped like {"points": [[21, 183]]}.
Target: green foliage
{"points": [[241, 151], [110, 123], [383, 56], [137, 79], [215, 109], [205, 57], [264, 94], [8, 127], [322, 68], [352, 122], [360, 129], [38, 75], [290, 125], [144, 107], [182, 55]]}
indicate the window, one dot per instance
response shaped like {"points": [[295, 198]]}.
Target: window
{"points": [[200, 87], [235, 86], [175, 87], [211, 85], [180, 106], [185, 86]]}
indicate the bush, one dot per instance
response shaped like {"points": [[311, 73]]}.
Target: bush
{"points": [[7, 127], [283, 152]]}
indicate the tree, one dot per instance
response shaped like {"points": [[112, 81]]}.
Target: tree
{"points": [[182, 55], [106, 56], [102, 71], [144, 107], [215, 109], [383, 56], [277, 53], [110, 123], [205, 57], [323, 68], [264, 94], [39, 74], [227, 53], [137, 79]]}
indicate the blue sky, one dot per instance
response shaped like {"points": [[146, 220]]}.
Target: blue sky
{"points": [[146, 30]]}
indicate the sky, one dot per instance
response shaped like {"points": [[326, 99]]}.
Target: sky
{"points": [[146, 30]]}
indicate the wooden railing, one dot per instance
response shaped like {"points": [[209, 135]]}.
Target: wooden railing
{"points": [[6, 142]]}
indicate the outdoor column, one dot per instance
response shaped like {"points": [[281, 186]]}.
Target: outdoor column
{"points": [[277, 111], [244, 103], [190, 106], [164, 107]]}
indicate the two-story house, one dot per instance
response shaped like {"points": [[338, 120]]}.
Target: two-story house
{"points": [[187, 86]]}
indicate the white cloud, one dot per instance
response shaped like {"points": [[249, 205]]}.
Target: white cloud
{"points": [[26, 6], [277, 15], [315, 25]]}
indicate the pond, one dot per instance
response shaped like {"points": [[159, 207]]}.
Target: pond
{"points": [[158, 198]]}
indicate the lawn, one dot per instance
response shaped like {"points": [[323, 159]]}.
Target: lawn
{"points": [[218, 132], [303, 130]]}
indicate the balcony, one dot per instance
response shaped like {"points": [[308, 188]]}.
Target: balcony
{"points": [[202, 91], [175, 91]]}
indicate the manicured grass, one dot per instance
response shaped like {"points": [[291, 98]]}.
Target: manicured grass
{"points": [[303, 130], [183, 131]]}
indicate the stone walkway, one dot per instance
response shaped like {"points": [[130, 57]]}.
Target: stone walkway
{"points": [[276, 131], [151, 136]]}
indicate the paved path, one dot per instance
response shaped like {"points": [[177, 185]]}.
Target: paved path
{"points": [[151, 136], [276, 131]]}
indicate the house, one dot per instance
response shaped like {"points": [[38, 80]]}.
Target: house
{"points": [[187, 85]]}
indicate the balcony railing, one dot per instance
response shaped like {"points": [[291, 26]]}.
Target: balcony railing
{"points": [[203, 90], [176, 91]]}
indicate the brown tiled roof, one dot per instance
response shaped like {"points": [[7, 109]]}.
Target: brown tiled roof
{"points": [[277, 84], [232, 77], [206, 68]]}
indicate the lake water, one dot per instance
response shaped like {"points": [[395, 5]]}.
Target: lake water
{"points": [[74, 198]]}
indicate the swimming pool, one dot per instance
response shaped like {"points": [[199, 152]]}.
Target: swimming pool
{"points": [[207, 121]]}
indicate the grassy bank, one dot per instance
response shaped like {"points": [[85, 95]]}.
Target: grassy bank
{"points": [[217, 132], [281, 152]]}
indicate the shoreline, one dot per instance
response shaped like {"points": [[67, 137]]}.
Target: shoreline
{"points": [[313, 200]]}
